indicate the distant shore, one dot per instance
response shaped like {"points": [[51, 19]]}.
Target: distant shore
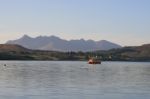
{"points": [[17, 52]]}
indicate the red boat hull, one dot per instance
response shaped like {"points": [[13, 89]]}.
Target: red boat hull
{"points": [[94, 62]]}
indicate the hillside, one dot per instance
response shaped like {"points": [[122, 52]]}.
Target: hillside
{"points": [[11, 48], [54, 43], [137, 53], [13, 52], [17, 52]]}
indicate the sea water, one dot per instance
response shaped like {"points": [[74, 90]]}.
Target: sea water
{"points": [[74, 80]]}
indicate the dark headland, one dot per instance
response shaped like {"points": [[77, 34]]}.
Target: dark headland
{"points": [[133, 53]]}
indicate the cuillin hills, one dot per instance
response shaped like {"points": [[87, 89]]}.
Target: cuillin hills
{"points": [[54, 43]]}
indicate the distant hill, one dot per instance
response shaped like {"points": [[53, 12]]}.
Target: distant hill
{"points": [[54, 43], [13, 52], [12, 47], [136, 53], [17, 52]]}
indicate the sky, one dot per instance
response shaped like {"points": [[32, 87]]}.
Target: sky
{"points": [[125, 22]]}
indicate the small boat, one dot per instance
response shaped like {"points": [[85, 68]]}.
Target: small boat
{"points": [[94, 60]]}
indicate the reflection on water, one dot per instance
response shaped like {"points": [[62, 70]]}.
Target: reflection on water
{"points": [[74, 80]]}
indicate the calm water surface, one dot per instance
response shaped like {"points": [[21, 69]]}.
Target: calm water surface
{"points": [[74, 80]]}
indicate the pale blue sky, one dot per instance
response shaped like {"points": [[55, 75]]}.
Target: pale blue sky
{"points": [[126, 22]]}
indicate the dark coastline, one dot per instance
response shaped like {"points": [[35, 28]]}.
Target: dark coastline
{"points": [[129, 54]]}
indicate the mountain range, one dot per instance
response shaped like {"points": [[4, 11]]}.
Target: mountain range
{"points": [[54, 43]]}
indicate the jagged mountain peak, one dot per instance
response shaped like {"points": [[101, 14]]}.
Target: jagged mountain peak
{"points": [[25, 37], [56, 43]]}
